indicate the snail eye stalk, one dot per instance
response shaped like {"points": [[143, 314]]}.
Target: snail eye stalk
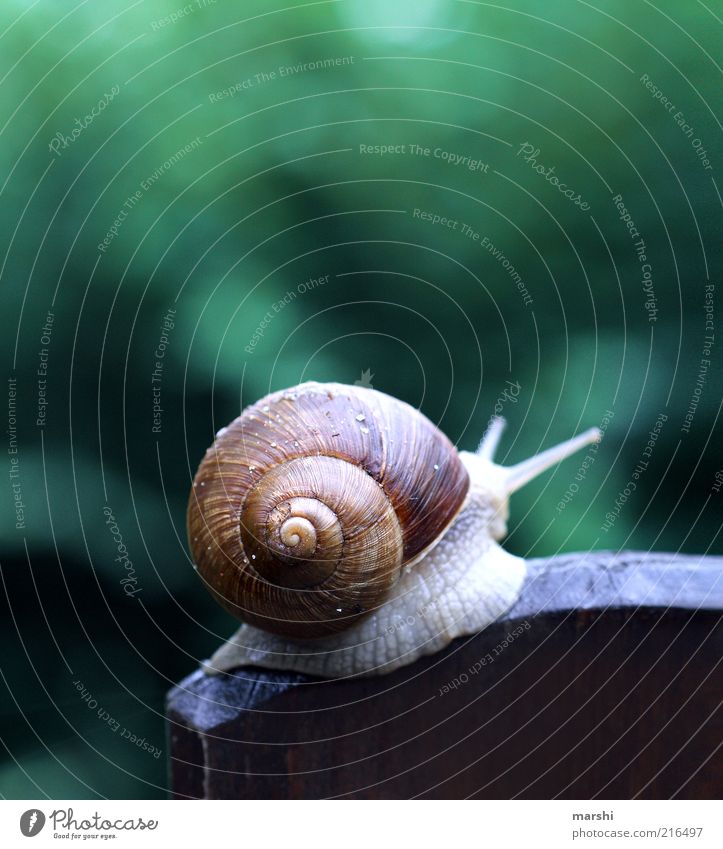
{"points": [[517, 476]]}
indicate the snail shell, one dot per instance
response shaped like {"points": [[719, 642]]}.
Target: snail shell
{"points": [[341, 514], [307, 507]]}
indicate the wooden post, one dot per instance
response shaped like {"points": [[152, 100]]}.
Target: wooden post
{"points": [[602, 682]]}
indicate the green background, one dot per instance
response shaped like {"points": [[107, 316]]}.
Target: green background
{"points": [[278, 191]]}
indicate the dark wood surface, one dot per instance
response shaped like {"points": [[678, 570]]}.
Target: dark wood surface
{"points": [[602, 682]]}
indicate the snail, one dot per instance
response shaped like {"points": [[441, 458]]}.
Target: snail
{"points": [[349, 535]]}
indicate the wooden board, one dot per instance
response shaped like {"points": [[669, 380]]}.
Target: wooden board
{"points": [[602, 682]]}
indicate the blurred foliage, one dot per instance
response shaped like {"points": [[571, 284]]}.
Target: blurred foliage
{"points": [[275, 192]]}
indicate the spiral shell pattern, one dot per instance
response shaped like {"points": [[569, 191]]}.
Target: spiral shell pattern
{"points": [[307, 506]]}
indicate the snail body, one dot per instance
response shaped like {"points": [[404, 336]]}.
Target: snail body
{"points": [[349, 535]]}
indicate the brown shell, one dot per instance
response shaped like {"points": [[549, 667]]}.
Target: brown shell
{"points": [[304, 510]]}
